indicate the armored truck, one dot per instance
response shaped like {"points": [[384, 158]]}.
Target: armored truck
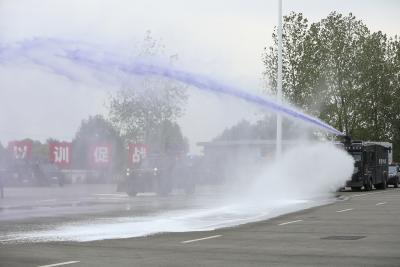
{"points": [[371, 165], [160, 174]]}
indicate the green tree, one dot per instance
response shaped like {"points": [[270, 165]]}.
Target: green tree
{"points": [[339, 71], [94, 130], [147, 104]]}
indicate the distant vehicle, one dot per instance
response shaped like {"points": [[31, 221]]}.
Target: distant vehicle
{"points": [[24, 173], [371, 165], [394, 175], [49, 174], [160, 174]]}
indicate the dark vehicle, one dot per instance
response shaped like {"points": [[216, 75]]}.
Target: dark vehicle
{"points": [[394, 176], [370, 167], [160, 174], [24, 173], [48, 174]]}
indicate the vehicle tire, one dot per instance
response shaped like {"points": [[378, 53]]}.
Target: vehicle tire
{"points": [[131, 189], [132, 193], [396, 183], [163, 188], [382, 186], [355, 188], [368, 186]]}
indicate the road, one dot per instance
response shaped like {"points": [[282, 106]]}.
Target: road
{"points": [[363, 229]]}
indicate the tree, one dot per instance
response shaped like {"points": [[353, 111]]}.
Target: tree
{"points": [[339, 71], [96, 130], [147, 103]]}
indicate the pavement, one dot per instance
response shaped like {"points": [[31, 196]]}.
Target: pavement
{"points": [[362, 229]]}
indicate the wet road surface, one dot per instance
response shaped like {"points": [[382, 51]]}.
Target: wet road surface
{"points": [[363, 229]]}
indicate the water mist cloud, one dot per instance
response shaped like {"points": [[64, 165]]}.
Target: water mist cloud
{"points": [[307, 175]]}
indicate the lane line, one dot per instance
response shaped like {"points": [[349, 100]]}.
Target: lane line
{"points": [[365, 194], [285, 223], [111, 195], [344, 210], [380, 203], [59, 264], [10, 239], [47, 200], [200, 239]]}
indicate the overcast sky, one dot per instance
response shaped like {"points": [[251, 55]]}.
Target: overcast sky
{"points": [[224, 39]]}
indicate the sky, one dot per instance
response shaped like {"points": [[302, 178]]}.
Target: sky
{"points": [[223, 39]]}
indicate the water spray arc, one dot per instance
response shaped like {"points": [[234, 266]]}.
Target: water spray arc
{"points": [[108, 63]]}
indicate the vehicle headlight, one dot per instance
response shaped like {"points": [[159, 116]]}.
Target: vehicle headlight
{"points": [[128, 172], [155, 170]]}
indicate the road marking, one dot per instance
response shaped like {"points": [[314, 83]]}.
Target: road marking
{"points": [[290, 222], [344, 210], [59, 264], [200, 239], [365, 194], [380, 203], [10, 239], [111, 195], [47, 200]]}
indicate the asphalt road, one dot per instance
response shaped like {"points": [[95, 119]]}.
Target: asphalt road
{"points": [[361, 230]]}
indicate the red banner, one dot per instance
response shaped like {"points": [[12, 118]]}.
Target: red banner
{"points": [[21, 149], [137, 152], [60, 153], [100, 155]]}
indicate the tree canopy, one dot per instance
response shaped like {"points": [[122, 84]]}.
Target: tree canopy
{"points": [[147, 107], [340, 71]]}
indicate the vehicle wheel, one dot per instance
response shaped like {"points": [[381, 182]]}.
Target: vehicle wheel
{"points": [[368, 186], [163, 188], [355, 188], [382, 186], [396, 183], [131, 189], [132, 193]]}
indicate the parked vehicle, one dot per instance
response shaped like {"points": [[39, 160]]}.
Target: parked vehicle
{"points": [[394, 175]]}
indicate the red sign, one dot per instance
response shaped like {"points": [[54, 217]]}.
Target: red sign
{"points": [[60, 153], [100, 155], [21, 149], [137, 152]]}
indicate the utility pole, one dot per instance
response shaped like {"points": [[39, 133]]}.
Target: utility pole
{"points": [[279, 84]]}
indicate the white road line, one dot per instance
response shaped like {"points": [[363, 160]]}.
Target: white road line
{"points": [[200, 239], [365, 194], [59, 264], [290, 222], [112, 195], [47, 200], [10, 239], [344, 210], [380, 203]]}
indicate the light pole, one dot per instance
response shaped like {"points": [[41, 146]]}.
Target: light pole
{"points": [[279, 84]]}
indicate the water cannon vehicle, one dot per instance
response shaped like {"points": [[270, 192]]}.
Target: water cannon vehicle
{"points": [[371, 164]]}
